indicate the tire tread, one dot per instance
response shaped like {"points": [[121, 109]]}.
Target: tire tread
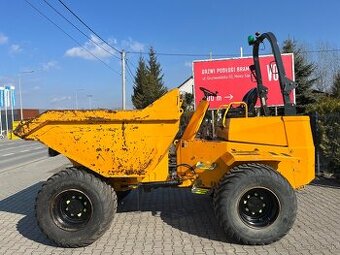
{"points": [[232, 178], [108, 197]]}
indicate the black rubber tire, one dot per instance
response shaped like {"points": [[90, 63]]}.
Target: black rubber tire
{"points": [[102, 198], [228, 204]]}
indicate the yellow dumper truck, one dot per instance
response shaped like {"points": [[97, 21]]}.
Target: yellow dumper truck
{"points": [[252, 167]]}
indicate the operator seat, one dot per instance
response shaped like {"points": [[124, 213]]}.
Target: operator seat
{"points": [[250, 98]]}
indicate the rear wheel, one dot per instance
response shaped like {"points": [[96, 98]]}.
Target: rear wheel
{"points": [[74, 208], [255, 204]]}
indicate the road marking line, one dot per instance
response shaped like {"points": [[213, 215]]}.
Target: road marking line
{"points": [[27, 156], [8, 154], [24, 151], [38, 148], [20, 146]]}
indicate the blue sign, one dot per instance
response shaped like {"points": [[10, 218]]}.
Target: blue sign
{"points": [[13, 95], [2, 97]]}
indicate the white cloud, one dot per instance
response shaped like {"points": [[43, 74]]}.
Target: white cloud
{"points": [[15, 48], [133, 45], [3, 39], [92, 47], [50, 65], [101, 50], [60, 99]]}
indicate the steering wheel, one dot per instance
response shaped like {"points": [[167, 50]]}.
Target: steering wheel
{"points": [[208, 93]]}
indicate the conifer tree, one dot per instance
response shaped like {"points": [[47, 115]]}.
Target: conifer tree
{"points": [[139, 97], [149, 84], [304, 75], [155, 75]]}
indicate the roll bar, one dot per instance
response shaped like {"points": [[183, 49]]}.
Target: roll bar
{"points": [[286, 85]]}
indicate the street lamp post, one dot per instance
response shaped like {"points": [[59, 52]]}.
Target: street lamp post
{"points": [[90, 101], [77, 97], [20, 95]]}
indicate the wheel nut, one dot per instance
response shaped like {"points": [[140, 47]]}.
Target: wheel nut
{"points": [[85, 203], [79, 214], [260, 211], [261, 198], [73, 197], [72, 214], [255, 194], [68, 201], [247, 210], [84, 210], [80, 197], [253, 213], [263, 205], [66, 209], [245, 201]]}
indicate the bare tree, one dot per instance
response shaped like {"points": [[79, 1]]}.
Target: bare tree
{"points": [[327, 61]]}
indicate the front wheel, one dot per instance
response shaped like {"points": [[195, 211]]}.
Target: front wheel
{"points": [[74, 207], [255, 204]]}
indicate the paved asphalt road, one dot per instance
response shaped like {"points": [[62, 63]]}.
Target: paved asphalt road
{"points": [[164, 221], [18, 152]]}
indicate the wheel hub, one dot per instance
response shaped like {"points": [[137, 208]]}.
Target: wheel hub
{"points": [[259, 207], [72, 209], [254, 204]]}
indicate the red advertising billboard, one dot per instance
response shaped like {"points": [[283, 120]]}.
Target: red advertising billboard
{"points": [[232, 79]]}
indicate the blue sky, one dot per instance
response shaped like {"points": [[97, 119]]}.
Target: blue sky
{"points": [[62, 70]]}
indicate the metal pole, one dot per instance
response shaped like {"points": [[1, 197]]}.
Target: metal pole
{"points": [[241, 52], [20, 97], [77, 94], [12, 112], [76, 100], [90, 101], [123, 79], [6, 117], [2, 101], [12, 100], [0, 123], [213, 123], [20, 94]]}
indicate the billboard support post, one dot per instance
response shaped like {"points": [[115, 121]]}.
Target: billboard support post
{"points": [[213, 123]]}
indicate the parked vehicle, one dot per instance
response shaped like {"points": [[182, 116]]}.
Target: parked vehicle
{"points": [[251, 168]]}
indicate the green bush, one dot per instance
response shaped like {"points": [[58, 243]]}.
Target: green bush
{"points": [[328, 137]]}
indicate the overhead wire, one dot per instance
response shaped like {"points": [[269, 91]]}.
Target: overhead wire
{"points": [[94, 42], [132, 63], [81, 21], [184, 54], [165, 53], [71, 37], [129, 71], [130, 52]]}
